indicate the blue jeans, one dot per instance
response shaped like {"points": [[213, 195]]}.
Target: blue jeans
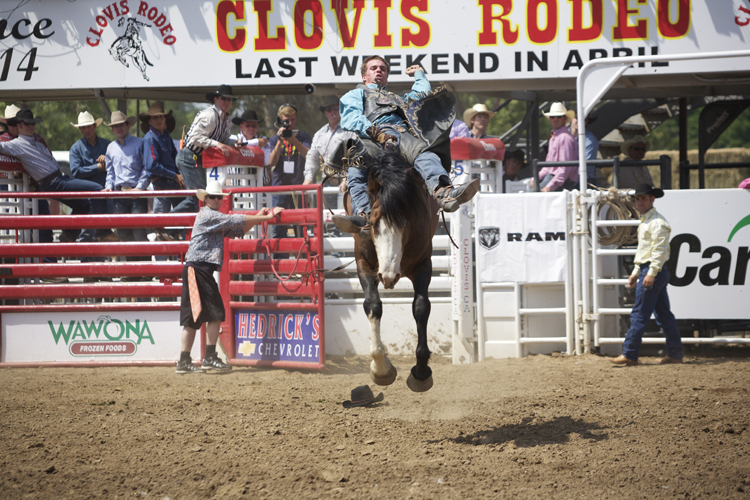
{"points": [[648, 300], [427, 164], [194, 177], [568, 185], [79, 206], [132, 206]]}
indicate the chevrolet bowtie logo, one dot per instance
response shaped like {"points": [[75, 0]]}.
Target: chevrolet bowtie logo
{"points": [[247, 348]]}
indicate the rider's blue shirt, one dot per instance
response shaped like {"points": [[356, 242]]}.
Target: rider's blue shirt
{"points": [[352, 107]]}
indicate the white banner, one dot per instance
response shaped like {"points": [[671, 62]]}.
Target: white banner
{"points": [[96, 44], [92, 336], [521, 237], [710, 252]]}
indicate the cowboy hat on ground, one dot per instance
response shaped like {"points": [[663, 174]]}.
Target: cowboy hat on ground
{"points": [[475, 110], [213, 188], [26, 116], [328, 101], [559, 109], [119, 117], [362, 396], [248, 116], [649, 190], [221, 91], [85, 119], [156, 109], [638, 139]]}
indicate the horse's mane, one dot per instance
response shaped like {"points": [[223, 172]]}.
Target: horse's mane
{"points": [[397, 190]]}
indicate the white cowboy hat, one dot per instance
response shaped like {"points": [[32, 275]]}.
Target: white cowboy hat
{"points": [[213, 187], [119, 117], [11, 111], [559, 109], [85, 119], [475, 110], [638, 139]]}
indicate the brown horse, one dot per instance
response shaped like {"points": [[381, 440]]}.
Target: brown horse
{"points": [[404, 218]]}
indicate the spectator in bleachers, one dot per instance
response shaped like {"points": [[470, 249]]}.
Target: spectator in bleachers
{"points": [[210, 129], [159, 153], [37, 160], [512, 163], [562, 147], [125, 172], [630, 177], [326, 139], [248, 135], [478, 117], [87, 161], [288, 151], [592, 147]]}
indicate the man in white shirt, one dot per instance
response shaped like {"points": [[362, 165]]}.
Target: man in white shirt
{"points": [[326, 139]]}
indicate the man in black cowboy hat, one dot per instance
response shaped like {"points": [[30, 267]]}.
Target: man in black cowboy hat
{"points": [[650, 277], [37, 160], [248, 135], [513, 162], [326, 139], [210, 129]]}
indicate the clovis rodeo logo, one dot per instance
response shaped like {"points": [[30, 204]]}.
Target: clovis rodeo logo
{"points": [[127, 23], [105, 336]]}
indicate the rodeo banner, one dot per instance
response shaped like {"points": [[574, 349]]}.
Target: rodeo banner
{"points": [[97, 44]]}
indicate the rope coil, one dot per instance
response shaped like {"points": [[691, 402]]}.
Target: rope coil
{"points": [[617, 207]]}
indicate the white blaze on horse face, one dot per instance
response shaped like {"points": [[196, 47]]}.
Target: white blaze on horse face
{"points": [[389, 247]]}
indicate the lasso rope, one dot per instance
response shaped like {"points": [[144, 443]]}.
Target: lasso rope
{"points": [[619, 207]]}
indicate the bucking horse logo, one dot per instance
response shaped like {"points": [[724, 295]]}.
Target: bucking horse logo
{"points": [[129, 44]]}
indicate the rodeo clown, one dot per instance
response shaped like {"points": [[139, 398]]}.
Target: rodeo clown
{"points": [[201, 300], [417, 126]]}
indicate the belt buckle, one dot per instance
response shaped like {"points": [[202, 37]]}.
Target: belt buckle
{"points": [[126, 188]]}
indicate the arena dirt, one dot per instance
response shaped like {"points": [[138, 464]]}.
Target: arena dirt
{"points": [[537, 427]]}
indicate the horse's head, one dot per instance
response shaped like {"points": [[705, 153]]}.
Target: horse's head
{"points": [[396, 206]]}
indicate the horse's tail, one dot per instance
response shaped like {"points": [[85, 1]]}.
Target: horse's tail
{"points": [[145, 59], [395, 188]]}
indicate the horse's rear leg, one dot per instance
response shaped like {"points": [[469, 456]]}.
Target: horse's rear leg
{"points": [[382, 371], [420, 378]]}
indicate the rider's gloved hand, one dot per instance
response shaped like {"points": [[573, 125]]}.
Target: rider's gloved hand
{"points": [[381, 137]]}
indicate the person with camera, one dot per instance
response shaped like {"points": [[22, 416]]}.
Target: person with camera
{"points": [[289, 149]]}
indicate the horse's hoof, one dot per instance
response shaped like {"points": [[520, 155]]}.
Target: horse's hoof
{"points": [[387, 379], [419, 385]]}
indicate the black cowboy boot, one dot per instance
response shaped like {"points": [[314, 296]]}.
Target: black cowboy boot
{"points": [[449, 197], [355, 224]]}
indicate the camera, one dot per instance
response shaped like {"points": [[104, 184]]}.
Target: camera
{"points": [[287, 133]]}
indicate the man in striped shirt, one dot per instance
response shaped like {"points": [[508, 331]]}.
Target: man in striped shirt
{"points": [[650, 277], [210, 129]]}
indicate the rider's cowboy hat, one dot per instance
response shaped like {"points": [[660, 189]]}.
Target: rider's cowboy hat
{"points": [[648, 189], [26, 116], [362, 396], [638, 139], [10, 113], [156, 109], [248, 116], [221, 91], [213, 187], [470, 113], [328, 101], [559, 109], [85, 119], [119, 117]]}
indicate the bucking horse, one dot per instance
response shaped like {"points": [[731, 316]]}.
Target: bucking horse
{"points": [[129, 44]]}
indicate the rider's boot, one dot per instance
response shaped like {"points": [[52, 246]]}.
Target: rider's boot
{"points": [[450, 197], [355, 224]]}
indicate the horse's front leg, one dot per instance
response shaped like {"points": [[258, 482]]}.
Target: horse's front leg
{"points": [[420, 378], [382, 371]]}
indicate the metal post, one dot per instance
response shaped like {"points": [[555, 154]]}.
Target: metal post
{"points": [[535, 174], [616, 172], [666, 171], [534, 128]]}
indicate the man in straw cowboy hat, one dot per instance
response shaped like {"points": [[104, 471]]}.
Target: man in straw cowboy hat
{"points": [[210, 129], [126, 172], [384, 121], [201, 299], [650, 277], [37, 160], [562, 146], [159, 154], [634, 149], [477, 118]]}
